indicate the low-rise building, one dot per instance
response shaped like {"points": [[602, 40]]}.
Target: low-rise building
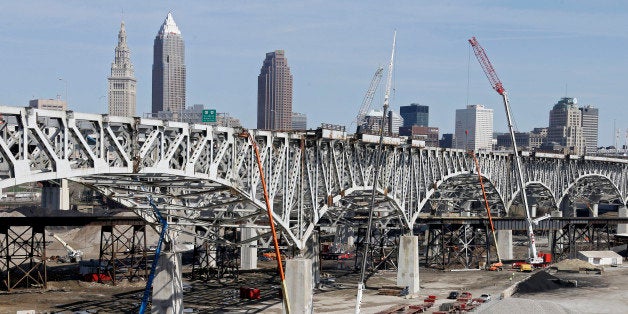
{"points": [[600, 257], [49, 104]]}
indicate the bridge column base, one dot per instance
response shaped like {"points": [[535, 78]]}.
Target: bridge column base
{"points": [[555, 238], [168, 286], [345, 236], [594, 209], [56, 196], [622, 228], [408, 263], [299, 285], [313, 253], [248, 252], [504, 244]]}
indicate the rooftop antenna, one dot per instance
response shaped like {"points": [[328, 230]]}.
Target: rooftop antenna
{"points": [[614, 134]]}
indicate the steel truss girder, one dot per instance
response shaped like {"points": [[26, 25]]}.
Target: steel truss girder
{"points": [[462, 245], [566, 243], [199, 170], [23, 257], [123, 252]]}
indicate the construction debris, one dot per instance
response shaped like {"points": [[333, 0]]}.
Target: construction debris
{"points": [[540, 282], [575, 265]]}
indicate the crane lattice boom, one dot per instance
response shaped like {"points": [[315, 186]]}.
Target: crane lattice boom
{"points": [[497, 85], [487, 66], [368, 97]]}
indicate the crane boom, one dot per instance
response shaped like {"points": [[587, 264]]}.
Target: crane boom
{"points": [[496, 84], [368, 97], [72, 253], [490, 72]]}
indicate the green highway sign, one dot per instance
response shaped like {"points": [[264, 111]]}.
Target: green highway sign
{"points": [[209, 115]]}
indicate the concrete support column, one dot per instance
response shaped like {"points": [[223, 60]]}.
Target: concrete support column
{"points": [[408, 263], [248, 252], [167, 286], [56, 196], [313, 253], [504, 244], [622, 228], [594, 209], [533, 210], [299, 285], [559, 233], [345, 237]]}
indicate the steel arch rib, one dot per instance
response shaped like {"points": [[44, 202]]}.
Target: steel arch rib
{"points": [[307, 174]]}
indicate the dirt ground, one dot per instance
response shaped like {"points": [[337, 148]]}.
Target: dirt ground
{"points": [[604, 293], [595, 293]]}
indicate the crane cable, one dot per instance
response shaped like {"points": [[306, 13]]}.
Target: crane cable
{"points": [[488, 209], [271, 222]]}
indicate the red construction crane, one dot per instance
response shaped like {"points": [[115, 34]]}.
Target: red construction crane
{"points": [[487, 66], [496, 84]]}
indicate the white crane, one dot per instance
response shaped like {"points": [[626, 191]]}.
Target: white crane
{"points": [[73, 255], [368, 99]]}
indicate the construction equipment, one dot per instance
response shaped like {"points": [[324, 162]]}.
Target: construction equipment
{"points": [[378, 155], [153, 269], [497, 266], [73, 255], [368, 99], [480, 54]]}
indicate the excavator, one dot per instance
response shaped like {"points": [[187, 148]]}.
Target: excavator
{"points": [[73, 255]]}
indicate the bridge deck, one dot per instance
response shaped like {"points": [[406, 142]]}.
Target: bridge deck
{"points": [[71, 221], [521, 224]]}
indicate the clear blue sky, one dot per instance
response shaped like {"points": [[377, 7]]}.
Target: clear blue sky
{"points": [[542, 50]]}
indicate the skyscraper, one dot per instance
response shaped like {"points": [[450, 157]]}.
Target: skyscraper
{"points": [[299, 121], [274, 93], [122, 82], [590, 128], [415, 114], [169, 69], [474, 128], [565, 126]]}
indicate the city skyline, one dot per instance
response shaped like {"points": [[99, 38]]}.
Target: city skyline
{"points": [[333, 55]]}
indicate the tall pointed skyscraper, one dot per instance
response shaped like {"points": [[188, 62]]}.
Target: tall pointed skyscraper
{"points": [[122, 82], [274, 93], [169, 69]]}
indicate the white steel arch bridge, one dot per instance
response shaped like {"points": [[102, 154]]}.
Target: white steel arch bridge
{"points": [[207, 176]]}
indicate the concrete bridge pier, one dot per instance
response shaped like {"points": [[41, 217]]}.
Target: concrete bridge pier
{"points": [[168, 285], [248, 252], [533, 209], [299, 285], [312, 252], [56, 195], [345, 236], [559, 233], [594, 209], [408, 263], [504, 244], [623, 212]]}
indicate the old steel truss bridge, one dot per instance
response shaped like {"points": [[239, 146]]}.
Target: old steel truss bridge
{"points": [[207, 176]]}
